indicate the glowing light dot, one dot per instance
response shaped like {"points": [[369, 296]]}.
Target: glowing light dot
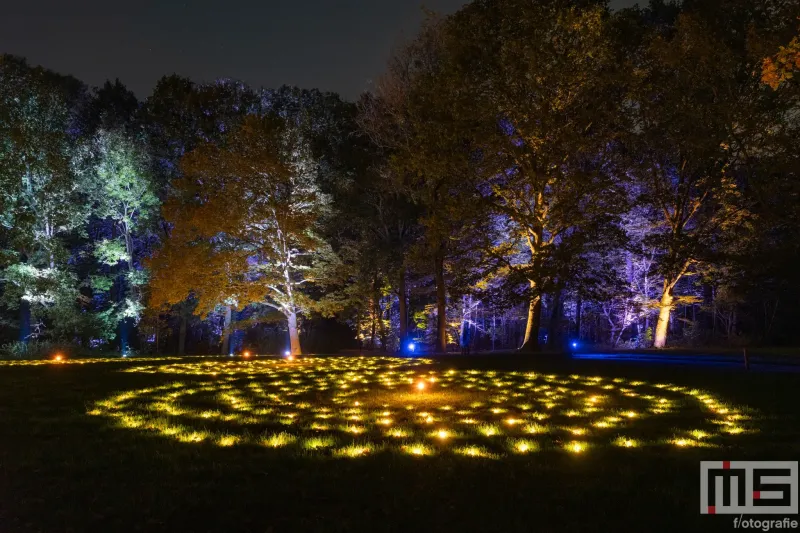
{"points": [[421, 385], [576, 447]]}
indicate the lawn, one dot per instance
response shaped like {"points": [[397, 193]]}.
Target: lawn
{"points": [[482, 443]]}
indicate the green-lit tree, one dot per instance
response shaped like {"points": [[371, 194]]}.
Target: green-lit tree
{"points": [[124, 195], [42, 194]]}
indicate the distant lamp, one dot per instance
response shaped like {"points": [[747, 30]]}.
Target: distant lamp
{"points": [[411, 346], [421, 386], [245, 354], [574, 344], [287, 353], [58, 357]]}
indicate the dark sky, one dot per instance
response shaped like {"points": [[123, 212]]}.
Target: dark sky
{"points": [[335, 45]]}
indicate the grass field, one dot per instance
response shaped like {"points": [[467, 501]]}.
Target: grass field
{"points": [[499, 443]]}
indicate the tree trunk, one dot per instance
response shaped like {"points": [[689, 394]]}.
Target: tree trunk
{"points": [[531, 341], [294, 335], [441, 304], [494, 329], [662, 326], [182, 335], [401, 294], [578, 309], [373, 333], [125, 327], [707, 311], [24, 320], [554, 328], [382, 332], [226, 331]]}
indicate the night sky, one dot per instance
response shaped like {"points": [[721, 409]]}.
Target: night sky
{"points": [[335, 45]]}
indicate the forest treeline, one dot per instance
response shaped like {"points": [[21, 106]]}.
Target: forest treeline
{"points": [[524, 173]]}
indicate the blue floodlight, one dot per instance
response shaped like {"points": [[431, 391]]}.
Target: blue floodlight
{"points": [[411, 346], [574, 344]]}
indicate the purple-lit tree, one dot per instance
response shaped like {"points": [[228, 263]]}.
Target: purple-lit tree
{"points": [[533, 86]]}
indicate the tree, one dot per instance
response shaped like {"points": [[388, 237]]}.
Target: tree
{"points": [[536, 85], [700, 118], [780, 68], [245, 224], [42, 194], [124, 195], [411, 119]]}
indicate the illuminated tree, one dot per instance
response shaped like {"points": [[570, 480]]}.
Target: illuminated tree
{"points": [[125, 196], [535, 85], [411, 118], [245, 225], [700, 120], [42, 193]]}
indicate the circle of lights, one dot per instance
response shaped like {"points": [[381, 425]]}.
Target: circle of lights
{"points": [[351, 407]]}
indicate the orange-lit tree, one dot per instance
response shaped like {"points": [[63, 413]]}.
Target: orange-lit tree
{"points": [[244, 218]]}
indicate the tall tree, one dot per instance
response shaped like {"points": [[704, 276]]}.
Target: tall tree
{"points": [[246, 217], [700, 117], [125, 196], [537, 84], [42, 195]]}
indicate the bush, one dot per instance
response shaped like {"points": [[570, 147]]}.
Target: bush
{"points": [[32, 349]]}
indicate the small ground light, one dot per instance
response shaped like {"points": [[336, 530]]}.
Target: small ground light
{"points": [[574, 344], [58, 357], [246, 354], [411, 346], [421, 385]]}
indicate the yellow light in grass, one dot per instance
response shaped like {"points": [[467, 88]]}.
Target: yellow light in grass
{"points": [[523, 446], [626, 442], [353, 451], [227, 440], [576, 447], [278, 440], [474, 451], [195, 436], [489, 430], [418, 449]]}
